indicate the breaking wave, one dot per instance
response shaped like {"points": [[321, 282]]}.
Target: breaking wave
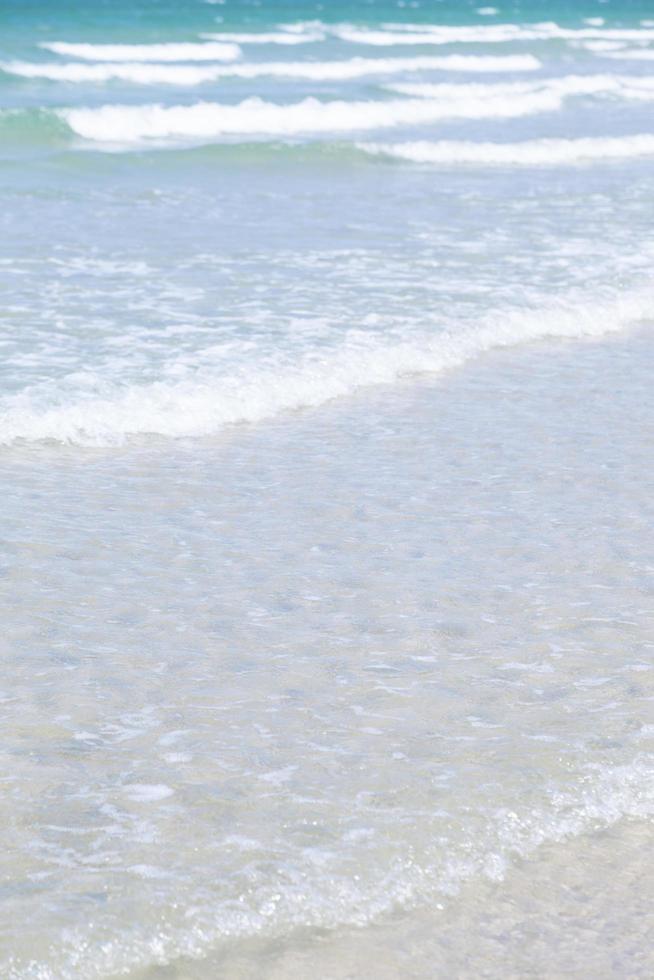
{"points": [[145, 52], [632, 54], [204, 403], [540, 152], [392, 34], [209, 120], [271, 37], [623, 86], [181, 74]]}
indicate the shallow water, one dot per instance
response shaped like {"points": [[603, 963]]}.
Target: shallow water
{"points": [[577, 908], [344, 662], [326, 432]]}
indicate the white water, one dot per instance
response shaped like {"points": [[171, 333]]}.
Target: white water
{"points": [[205, 120], [633, 55], [270, 37], [498, 33], [619, 86], [543, 152], [354, 68], [146, 52], [244, 390]]}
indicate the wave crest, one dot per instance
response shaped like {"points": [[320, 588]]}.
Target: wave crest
{"points": [[145, 72], [541, 152], [190, 51], [209, 120]]}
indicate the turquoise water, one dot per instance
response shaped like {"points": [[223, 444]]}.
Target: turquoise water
{"points": [[325, 422]]}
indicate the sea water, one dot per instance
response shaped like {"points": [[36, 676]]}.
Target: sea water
{"points": [[327, 567]]}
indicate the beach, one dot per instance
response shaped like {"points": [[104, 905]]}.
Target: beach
{"points": [[326, 430]]}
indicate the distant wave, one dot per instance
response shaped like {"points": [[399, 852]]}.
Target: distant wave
{"points": [[203, 405], [540, 152], [423, 103], [491, 34], [173, 74], [206, 120], [426, 35], [145, 52], [271, 37], [137, 72], [621, 86], [598, 47], [632, 54], [391, 34]]}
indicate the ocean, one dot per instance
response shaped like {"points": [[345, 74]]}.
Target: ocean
{"points": [[326, 427]]}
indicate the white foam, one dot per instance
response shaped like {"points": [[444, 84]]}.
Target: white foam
{"points": [[633, 54], [146, 52], [144, 74], [209, 120], [391, 34], [203, 404], [148, 793], [147, 73], [598, 46], [387, 38], [140, 74], [622, 86], [611, 34], [541, 152], [270, 37]]}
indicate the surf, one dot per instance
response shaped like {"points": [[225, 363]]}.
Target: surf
{"points": [[257, 390]]}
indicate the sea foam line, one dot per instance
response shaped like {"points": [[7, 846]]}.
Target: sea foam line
{"points": [[624, 86], [178, 74], [146, 52], [429, 103], [392, 34], [209, 120], [632, 54], [600, 797], [541, 152], [271, 37], [204, 404]]}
